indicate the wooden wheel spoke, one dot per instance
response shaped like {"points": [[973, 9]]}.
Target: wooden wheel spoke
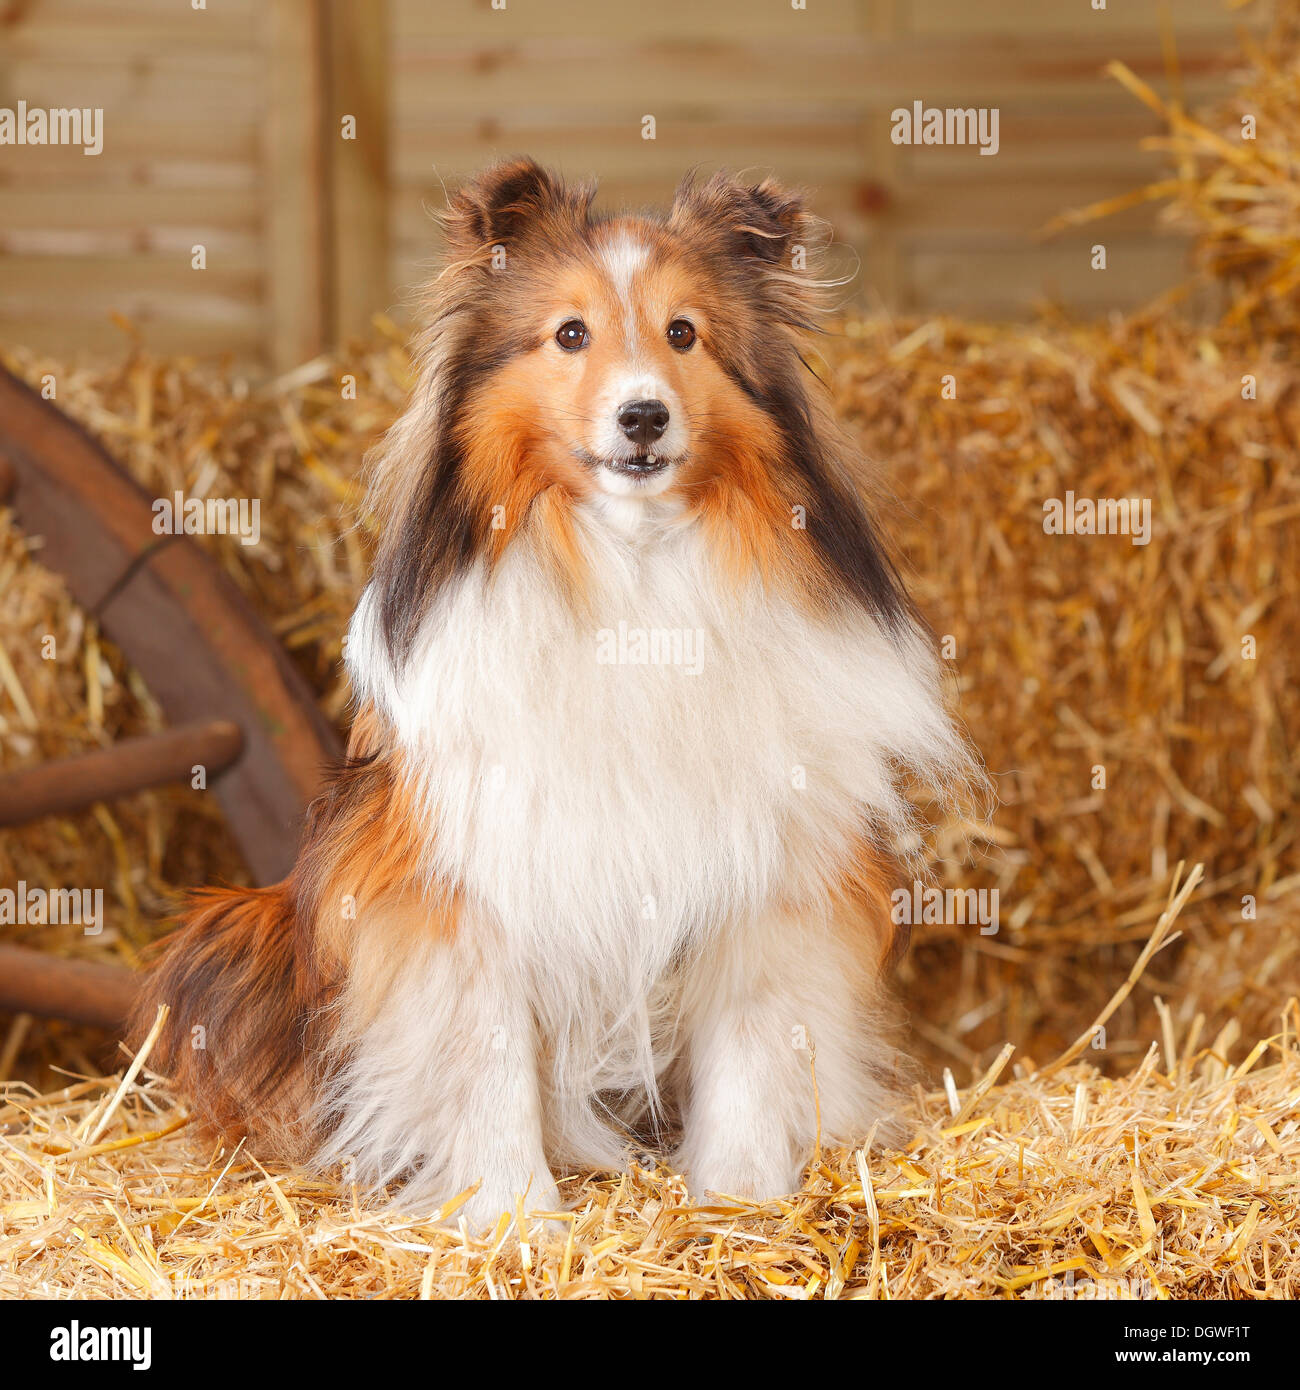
{"points": [[70, 784], [83, 991]]}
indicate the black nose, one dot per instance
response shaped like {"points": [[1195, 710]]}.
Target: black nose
{"points": [[643, 421]]}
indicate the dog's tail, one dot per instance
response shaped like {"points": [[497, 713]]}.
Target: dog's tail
{"points": [[244, 1000]]}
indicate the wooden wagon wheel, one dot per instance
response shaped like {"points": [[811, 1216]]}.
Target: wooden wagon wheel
{"points": [[237, 705]]}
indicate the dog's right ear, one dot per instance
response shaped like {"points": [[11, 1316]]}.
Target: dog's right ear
{"points": [[499, 205]]}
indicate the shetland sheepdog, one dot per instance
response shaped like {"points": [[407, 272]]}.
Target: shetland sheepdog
{"points": [[639, 698]]}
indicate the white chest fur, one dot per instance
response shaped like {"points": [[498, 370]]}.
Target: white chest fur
{"points": [[608, 787]]}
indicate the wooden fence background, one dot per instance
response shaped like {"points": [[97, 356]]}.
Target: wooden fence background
{"points": [[223, 128]]}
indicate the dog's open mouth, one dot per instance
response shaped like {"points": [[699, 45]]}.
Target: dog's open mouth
{"points": [[629, 465], [639, 466]]}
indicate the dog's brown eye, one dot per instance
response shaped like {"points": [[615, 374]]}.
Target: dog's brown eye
{"points": [[681, 334], [572, 335]]}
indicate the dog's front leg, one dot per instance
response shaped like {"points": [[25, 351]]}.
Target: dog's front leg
{"points": [[442, 1082], [763, 1000]]}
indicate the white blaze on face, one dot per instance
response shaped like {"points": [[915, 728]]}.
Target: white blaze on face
{"points": [[624, 257], [632, 377]]}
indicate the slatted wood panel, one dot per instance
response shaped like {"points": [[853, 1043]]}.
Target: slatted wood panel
{"points": [[221, 128], [184, 94], [807, 95]]}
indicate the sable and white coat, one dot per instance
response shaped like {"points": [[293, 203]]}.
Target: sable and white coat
{"points": [[556, 904]]}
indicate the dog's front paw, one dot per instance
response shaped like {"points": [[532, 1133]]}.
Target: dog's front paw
{"points": [[751, 1177], [484, 1209]]}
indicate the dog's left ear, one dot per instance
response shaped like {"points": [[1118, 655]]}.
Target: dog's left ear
{"points": [[764, 224], [765, 218]]}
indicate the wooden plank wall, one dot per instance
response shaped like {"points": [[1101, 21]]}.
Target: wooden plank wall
{"points": [[806, 93], [222, 129], [81, 237]]}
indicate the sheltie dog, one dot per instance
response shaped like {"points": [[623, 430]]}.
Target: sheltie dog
{"points": [[639, 697]]}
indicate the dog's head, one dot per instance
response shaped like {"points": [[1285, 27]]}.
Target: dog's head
{"points": [[621, 354], [651, 359]]}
